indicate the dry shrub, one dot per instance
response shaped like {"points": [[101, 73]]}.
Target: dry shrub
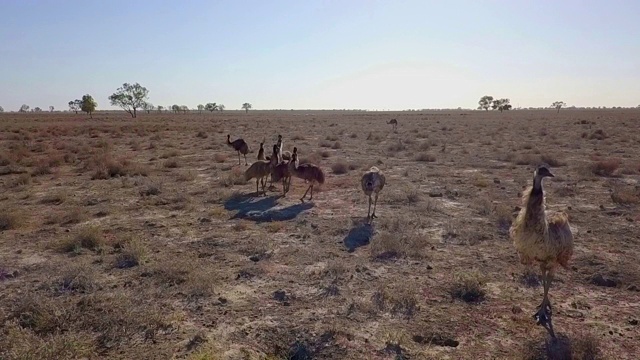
{"points": [[399, 244], [105, 167], [400, 301], [219, 158], [605, 167], [21, 343], [340, 167], [89, 237], [325, 143], [325, 154], [195, 280], [313, 159], [468, 287], [625, 195], [42, 168], [57, 198], [10, 219], [202, 135], [480, 181], [274, 227], [20, 180], [78, 278], [169, 154], [424, 157], [132, 252], [186, 176], [336, 145], [235, 177], [598, 135], [396, 147], [297, 137], [171, 164], [39, 314]]}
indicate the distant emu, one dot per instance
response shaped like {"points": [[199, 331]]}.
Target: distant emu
{"points": [[394, 123], [372, 183], [261, 151], [542, 238], [240, 146]]}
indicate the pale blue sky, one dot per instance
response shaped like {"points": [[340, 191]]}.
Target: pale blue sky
{"points": [[322, 54]]}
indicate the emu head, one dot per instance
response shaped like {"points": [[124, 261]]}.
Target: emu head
{"points": [[542, 171]]}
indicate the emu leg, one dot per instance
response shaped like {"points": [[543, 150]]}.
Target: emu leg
{"points": [[374, 207], [238, 157], [305, 193], [257, 181], [369, 211], [543, 316], [245, 159], [311, 198]]}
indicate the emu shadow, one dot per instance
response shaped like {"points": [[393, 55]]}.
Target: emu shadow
{"points": [[359, 235], [263, 209]]}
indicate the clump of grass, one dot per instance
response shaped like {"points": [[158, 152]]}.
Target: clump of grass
{"points": [[56, 198], [468, 287], [625, 196], [336, 145], [274, 227], [340, 168], [186, 176], [171, 164], [89, 237], [133, 252], [400, 302], [21, 180], [202, 135], [424, 157], [297, 137], [325, 144], [598, 135], [76, 279], [399, 244], [169, 154], [150, 190], [235, 177], [605, 167], [10, 218], [413, 196], [219, 158], [325, 154]]}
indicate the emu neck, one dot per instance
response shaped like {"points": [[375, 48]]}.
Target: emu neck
{"points": [[537, 185]]}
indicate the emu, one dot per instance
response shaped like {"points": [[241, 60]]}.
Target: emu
{"points": [[240, 146], [394, 123], [307, 172], [543, 238], [372, 183]]}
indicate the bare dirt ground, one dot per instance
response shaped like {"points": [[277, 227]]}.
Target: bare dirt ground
{"points": [[139, 238]]}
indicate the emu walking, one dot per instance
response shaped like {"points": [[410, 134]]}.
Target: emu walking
{"points": [[372, 183], [308, 172], [543, 238], [394, 123], [240, 146], [258, 170]]}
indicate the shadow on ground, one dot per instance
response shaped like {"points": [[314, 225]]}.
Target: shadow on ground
{"points": [[359, 235], [262, 209]]}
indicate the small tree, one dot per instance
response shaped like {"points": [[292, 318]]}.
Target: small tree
{"points": [[37, 109], [184, 108], [485, 102], [175, 108], [160, 108], [221, 107], [1, 109], [200, 108], [88, 105], [24, 108], [74, 105], [211, 107], [246, 107], [558, 105], [148, 107], [130, 97], [501, 104], [51, 108]]}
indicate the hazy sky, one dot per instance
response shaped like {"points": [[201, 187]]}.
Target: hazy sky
{"points": [[321, 54]]}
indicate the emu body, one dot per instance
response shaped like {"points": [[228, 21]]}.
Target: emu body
{"points": [[308, 172], [240, 146], [372, 183], [542, 238]]}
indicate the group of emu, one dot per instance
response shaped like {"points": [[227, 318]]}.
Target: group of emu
{"points": [[539, 236]]}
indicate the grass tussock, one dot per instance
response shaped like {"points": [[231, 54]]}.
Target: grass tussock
{"points": [[340, 168], [625, 195], [104, 167], [605, 167], [468, 287], [80, 278], [400, 301], [234, 177], [132, 251], [425, 157], [10, 219], [402, 244], [89, 237]]}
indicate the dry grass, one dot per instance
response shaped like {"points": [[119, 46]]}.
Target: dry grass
{"points": [[156, 262]]}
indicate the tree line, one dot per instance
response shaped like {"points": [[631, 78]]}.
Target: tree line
{"points": [[131, 98]]}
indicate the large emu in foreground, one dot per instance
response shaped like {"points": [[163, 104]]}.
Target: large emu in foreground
{"points": [[543, 238]]}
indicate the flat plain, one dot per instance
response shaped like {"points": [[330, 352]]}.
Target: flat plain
{"points": [[139, 238]]}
